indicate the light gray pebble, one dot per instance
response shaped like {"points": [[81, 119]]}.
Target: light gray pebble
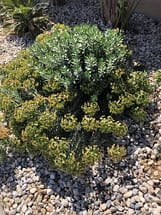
{"points": [[15, 194], [54, 213], [49, 191], [132, 205], [36, 178], [156, 181], [30, 203], [123, 190], [113, 197], [57, 202], [129, 187], [116, 188], [65, 203], [49, 208], [134, 191], [29, 212], [146, 206], [108, 203], [154, 205], [119, 197], [115, 178], [128, 202], [143, 189], [29, 181], [119, 208], [142, 199], [107, 197], [150, 182], [39, 198], [83, 212], [96, 212], [128, 194], [33, 190], [135, 180], [19, 206], [24, 186], [147, 198], [14, 206], [138, 205], [103, 207], [12, 212], [40, 204], [107, 181], [113, 209], [155, 211], [155, 199], [24, 208], [97, 203]]}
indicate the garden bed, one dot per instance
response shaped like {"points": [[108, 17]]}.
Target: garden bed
{"points": [[132, 186]]}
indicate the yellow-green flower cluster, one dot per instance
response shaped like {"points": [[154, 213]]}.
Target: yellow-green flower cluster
{"points": [[90, 108], [109, 125], [57, 100], [116, 152], [69, 122]]}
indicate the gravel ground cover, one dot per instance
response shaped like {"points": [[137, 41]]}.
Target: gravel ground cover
{"points": [[131, 187]]}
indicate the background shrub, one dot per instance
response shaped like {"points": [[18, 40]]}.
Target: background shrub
{"points": [[68, 94], [116, 13]]}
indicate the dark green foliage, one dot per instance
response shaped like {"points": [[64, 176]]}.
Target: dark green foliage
{"points": [[70, 92], [25, 16]]}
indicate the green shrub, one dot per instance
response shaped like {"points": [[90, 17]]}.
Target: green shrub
{"points": [[24, 16], [117, 12], [70, 92]]}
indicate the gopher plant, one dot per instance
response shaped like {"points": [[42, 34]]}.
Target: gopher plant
{"points": [[68, 94]]}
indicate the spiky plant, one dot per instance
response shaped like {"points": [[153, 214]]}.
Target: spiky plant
{"points": [[24, 16]]}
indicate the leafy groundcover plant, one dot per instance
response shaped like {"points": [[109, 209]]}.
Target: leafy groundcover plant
{"points": [[70, 93]]}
